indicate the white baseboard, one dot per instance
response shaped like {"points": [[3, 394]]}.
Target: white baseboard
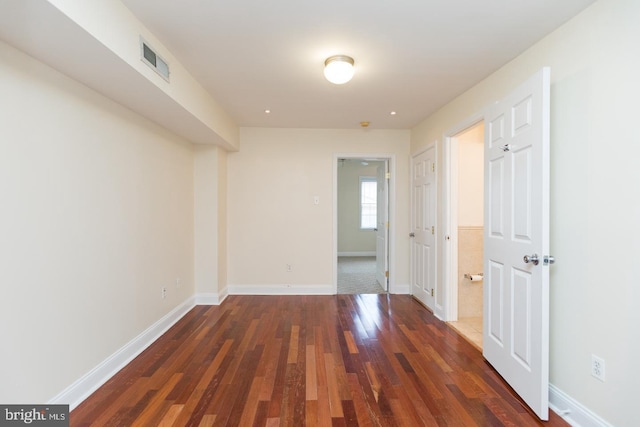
{"points": [[357, 253], [573, 411], [92, 380], [281, 290], [211, 298], [400, 289]]}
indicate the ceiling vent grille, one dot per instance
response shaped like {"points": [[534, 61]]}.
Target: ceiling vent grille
{"points": [[149, 56]]}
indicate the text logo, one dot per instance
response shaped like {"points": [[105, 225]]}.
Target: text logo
{"points": [[34, 415]]}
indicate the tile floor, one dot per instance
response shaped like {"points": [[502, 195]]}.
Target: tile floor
{"points": [[470, 328]]}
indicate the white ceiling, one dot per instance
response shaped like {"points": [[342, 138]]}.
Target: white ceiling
{"points": [[411, 56]]}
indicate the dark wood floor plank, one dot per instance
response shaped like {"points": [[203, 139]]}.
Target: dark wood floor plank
{"points": [[311, 378], [324, 406], [364, 388], [260, 418], [206, 384], [156, 408], [280, 368], [268, 368], [335, 402], [342, 360], [170, 416]]}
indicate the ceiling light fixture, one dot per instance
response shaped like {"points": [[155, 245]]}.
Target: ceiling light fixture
{"points": [[338, 69]]}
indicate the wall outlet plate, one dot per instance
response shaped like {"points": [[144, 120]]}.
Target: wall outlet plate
{"points": [[597, 367]]}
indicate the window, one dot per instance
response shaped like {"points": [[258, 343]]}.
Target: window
{"points": [[368, 202]]}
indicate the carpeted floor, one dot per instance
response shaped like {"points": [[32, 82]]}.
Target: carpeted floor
{"points": [[357, 275]]}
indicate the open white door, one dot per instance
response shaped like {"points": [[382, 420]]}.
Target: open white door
{"points": [[516, 240], [382, 227], [423, 223]]}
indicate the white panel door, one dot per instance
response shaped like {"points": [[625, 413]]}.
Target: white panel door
{"points": [[516, 240], [423, 223], [382, 227]]}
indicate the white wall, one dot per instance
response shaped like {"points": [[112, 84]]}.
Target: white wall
{"points": [[595, 208], [210, 205], [351, 238], [471, 177], [96, 216], [470, 219], [272, 220]]}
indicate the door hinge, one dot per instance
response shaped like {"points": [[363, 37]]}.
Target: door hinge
{"points": [[386, 224], [433, 229], [433, 167], [431, 292], [387, 175], [386, 273]]}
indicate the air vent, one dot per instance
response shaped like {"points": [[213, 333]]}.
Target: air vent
{"points": [[153, 60]]}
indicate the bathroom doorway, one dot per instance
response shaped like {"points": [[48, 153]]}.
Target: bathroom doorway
{"points": [[466, 192]]}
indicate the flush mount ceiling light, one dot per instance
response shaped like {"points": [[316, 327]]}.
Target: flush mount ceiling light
{"points": [[338, 69]]}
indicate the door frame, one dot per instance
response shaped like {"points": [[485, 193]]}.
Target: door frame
{"points": [[449, 262], [382, 226], [391, 211]]}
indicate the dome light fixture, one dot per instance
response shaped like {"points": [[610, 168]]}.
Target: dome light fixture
{"points": [[338, 69]]}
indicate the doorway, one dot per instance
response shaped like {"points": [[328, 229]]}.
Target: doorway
{"points": [[466, 221], [362, 218]]}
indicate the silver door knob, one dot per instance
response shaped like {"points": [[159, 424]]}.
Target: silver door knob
{"points": [[548, 259], [533, 259], [412, 234]]}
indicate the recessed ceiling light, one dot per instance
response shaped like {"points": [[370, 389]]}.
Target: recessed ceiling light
{"points": [[393, 113], [267, 111]]}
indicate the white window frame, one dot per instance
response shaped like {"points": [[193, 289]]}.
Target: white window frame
{"points": [[362, 180]]}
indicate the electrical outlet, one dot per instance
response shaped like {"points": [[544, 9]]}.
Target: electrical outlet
{"points": [[289, 268], [597, 367], [164, 292]]}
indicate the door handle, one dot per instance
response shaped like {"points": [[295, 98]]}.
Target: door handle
{"points": [[533, 259], [548, 259], [412, 234]]}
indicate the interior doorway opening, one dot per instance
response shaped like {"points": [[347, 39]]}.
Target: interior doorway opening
{"points": [[362, 218], [466, 222]]}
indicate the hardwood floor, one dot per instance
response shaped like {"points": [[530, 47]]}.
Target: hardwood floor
{"points": [[343, 360]]}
